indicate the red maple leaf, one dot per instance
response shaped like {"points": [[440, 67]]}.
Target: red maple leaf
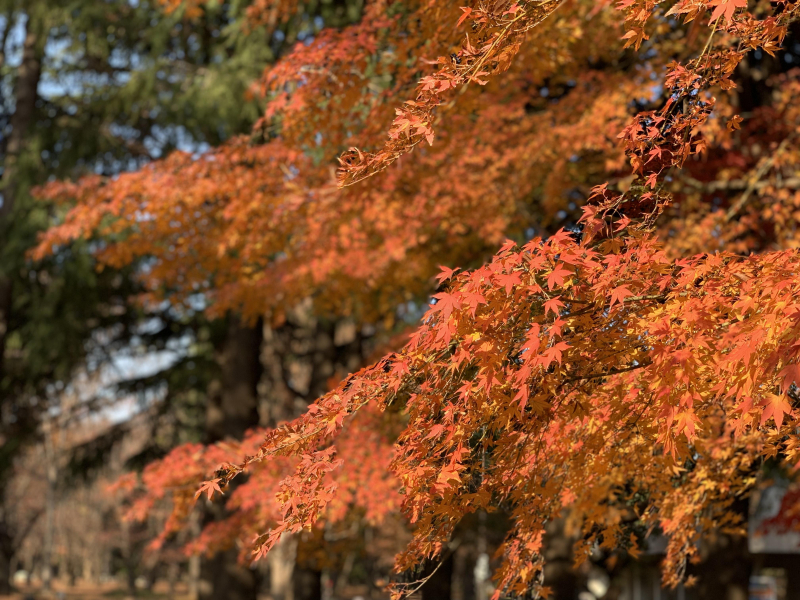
{"points": [[726, 8], [553, 304], [446, 304]]}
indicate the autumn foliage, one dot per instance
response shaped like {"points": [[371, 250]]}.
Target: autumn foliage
{"points": [[644, 359]]}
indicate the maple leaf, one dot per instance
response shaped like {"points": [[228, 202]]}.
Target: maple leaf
{"points": [[734, 123], [335, 421], [553, 354], [466, 12], [446, 304], [208, 487], [557, 276], [726, 8], [508, 281], [789, 375], [686, 422], [445, 273], [449, 474], [619, 294], [598, 190], [775, 407], [553, 305], [436, 431], [622, 223], [507, 246], [522, 397], [472, 300]]}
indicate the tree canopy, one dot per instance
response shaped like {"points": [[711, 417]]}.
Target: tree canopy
{"points": [[632, 346]]}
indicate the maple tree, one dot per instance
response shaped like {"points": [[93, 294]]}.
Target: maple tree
{"points": [[643, 360]]}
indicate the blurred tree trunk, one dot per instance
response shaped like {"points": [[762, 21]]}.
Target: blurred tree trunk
{"points": [[128, 559], [269, 375], [727, 558], [50, 504], [233, 405], [300, 357], [232, 410], [559, 571], [6, 558], [307, 584], [725, 563], [281, 562], [25, 95], [440, 584], [29, 73]]}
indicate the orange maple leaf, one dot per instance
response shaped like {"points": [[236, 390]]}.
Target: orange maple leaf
{"points": [[776, 407], [445, 273], [209, 487], [557, 277], [619, 294], [790, 374]]}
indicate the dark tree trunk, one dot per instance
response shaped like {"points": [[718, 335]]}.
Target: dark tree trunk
{"points": [[725, 563], [559, 573], [298, 358], [223, 578], [440, 584], [233, 406], [6, 558], [25, 95], [464, 561], [307, 584], [231, 411], [725, 568]]}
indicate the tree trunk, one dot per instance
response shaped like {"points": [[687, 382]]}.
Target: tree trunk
{"points": [[50, 505], [725, 568], [128, 560], [726, 564], [559, 573], [233, 407], [223, 578], [440, 584], [232, 410], [300, 357], [281, 562], [5, 570], [25, 95], [307, 585]]}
